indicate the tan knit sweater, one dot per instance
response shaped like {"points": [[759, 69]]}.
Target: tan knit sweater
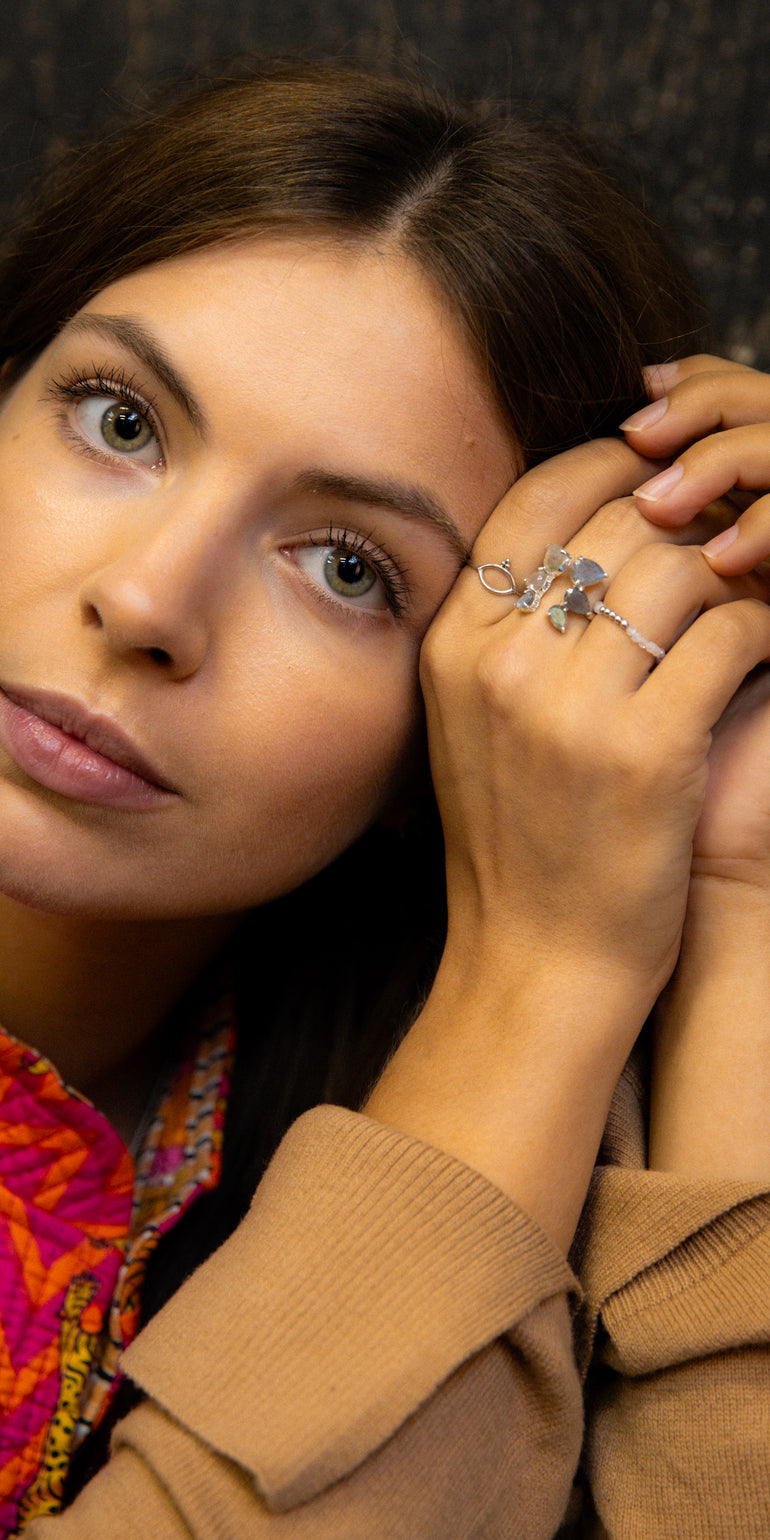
{"points": [[385, 1350]]}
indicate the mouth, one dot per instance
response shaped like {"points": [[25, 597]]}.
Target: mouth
{"points": [[68, 749]]}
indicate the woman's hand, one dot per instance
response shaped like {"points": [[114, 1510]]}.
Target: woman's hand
{"points": [[570, 778], [714, 416], [711, 1060], [726, 409]]}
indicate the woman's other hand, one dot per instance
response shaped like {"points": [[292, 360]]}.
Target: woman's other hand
{"points": [[714, 417], [721, 411], [711, 1059]]}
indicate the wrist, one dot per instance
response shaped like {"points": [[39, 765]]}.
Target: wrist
{"points": [[711, 1058], [512, 1070], [726, 926]]}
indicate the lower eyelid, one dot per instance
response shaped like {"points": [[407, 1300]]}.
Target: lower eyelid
{"points": [[103, 457]]}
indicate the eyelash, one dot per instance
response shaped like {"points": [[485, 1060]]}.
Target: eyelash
{"points": [[74, 387], [100, 381], [391, 575]]}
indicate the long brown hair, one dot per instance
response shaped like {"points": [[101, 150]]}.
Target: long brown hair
{"points": [[562, 284], [564, 288]]}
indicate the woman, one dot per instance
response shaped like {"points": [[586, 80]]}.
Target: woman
{"points": [[271, 360]]}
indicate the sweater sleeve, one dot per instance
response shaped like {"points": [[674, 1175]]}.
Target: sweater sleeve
{"points": [[383, 1348], [675, 1334]]}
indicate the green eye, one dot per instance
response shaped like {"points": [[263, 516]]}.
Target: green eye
{"points": [[348, 575], [118, 426], [336, 570], [125, 429]]}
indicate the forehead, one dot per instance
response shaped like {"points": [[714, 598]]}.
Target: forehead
{"points": [[351, 340]]}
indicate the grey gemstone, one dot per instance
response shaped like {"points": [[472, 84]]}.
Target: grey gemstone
{"points": [[576, 601], [585, 572], [528, 601]]}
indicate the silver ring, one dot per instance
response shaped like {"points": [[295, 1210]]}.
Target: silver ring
{"points": [[583, 572], [658, 653], [498, 566]]}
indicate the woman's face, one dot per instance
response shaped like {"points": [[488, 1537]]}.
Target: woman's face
{"points": [[233, 493]]}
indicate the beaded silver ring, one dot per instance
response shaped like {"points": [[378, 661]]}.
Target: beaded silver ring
{"points": [[658, 653]]}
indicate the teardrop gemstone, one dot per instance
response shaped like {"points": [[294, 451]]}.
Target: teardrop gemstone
{"points": [[529, 600], [585, 572], [577, 602], [556, 560], [558, 617]]}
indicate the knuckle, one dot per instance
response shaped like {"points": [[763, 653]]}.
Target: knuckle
{"points": [[499, 677], [667, 562], [615, 519], [734, 623]]}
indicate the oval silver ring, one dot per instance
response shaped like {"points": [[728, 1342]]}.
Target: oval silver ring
{"points": [[498, 566]]}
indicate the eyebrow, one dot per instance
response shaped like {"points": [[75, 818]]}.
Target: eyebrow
{"points": [[129, 333], [398, 497]]}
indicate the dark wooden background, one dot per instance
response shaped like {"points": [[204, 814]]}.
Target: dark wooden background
{"points": [[682, 86]]}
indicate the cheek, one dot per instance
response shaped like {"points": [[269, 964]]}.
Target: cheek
{"points": [[327, 764]]}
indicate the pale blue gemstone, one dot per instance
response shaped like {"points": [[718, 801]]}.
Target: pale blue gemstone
{"points": [[558, 617], [528, 601]]}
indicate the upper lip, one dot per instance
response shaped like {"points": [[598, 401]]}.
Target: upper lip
{"points": [[95, 731]]}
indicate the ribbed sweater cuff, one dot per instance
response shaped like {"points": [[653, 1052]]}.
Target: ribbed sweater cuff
{"points": [[368, 1268], [676, 1268]]}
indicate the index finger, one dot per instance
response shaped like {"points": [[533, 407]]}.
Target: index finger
{"points": [[550, 503], [661, 378]]}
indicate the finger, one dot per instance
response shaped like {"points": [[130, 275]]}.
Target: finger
{"points": [[654, 598], [660, 378], [610, 538], [744, 544], [724, 398], [710, 661], [555, 499], [546, 506], [739, 457]]}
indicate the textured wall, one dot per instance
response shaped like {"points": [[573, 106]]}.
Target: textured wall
{"points": [[681, 85]]}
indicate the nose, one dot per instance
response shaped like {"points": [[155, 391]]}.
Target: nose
{"points": [[152, 601]]}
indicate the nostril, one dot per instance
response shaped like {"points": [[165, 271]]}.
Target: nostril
{"points": [[91, 615], [159, 655]]}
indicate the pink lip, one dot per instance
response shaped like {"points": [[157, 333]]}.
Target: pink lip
{"points": [[66, 748]]}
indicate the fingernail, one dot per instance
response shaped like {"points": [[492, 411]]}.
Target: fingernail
{"points": [[659, 378], [647, 416], [662, 372], [721, 542], [660, 485]]}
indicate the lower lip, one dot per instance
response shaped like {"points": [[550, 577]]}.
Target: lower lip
{"points": [[63, 764]]}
